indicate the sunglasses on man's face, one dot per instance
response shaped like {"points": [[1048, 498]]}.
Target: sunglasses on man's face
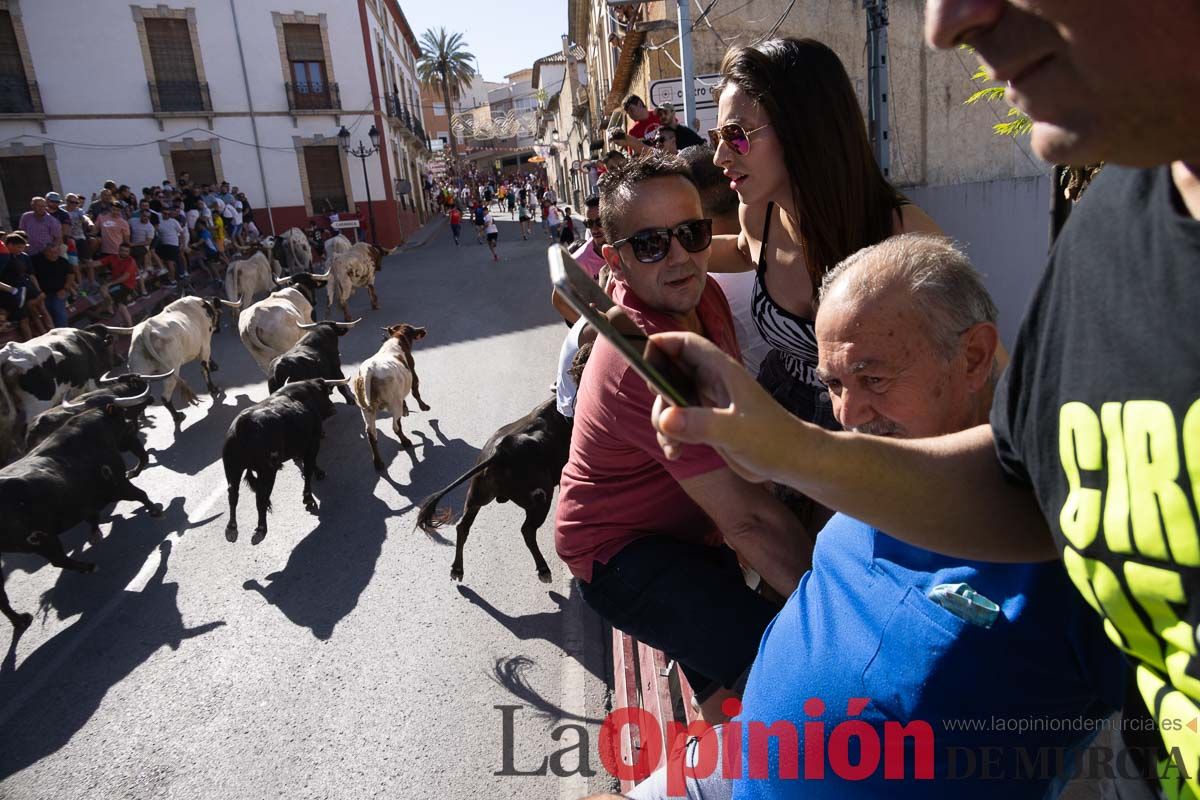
{"points": [[734, 135], [651, 245], [594, 223]]}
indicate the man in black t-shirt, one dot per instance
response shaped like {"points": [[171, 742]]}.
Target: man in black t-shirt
{"points": [[1093, 452], [53, 274]]}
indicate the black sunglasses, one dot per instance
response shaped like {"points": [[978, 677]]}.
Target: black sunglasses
{"points": [[651, 245]]}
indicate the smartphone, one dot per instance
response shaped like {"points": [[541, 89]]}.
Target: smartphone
{"points": [[585, 296]]}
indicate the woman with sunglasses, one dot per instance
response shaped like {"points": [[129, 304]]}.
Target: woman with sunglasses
{"points": [[793, 143]]}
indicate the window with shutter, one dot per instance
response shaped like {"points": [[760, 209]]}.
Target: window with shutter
{"points": [[14, 88], [326, 186], [22, 177], [306, 66], [198, 163], [176, 85]]}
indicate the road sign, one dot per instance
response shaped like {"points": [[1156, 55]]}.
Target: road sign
{"points": [[342, 224], [671, 91]]}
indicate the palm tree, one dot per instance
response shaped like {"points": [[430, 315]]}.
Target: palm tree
{"points": [[446, 65]]}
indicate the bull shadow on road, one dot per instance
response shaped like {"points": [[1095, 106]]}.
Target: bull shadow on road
{"points": [[119, 557], [198, 444], [55, 691], [329, 569], [547, 626]]}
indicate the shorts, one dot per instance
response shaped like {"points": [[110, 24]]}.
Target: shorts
{"points": [[120, 293], [138, 251], [455, 229], [169, 253], [525, 218], [492, 237], [688, 600]]}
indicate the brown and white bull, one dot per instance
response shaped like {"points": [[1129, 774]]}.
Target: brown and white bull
{"points": [[271, 326], [336, 246], [354, 269], [177, 335], [384, 381], [251, 276]]}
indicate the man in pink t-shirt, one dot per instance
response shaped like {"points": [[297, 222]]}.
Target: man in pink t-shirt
{"points": [[588, 255], [645, 536]]}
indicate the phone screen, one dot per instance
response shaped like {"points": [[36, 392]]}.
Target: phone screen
{"points": [[585, 296]]}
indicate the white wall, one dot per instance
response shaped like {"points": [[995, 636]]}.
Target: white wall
{"points": [[76, 83]]}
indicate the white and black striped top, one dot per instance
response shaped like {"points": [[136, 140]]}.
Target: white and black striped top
{"points": [[793, 336]]}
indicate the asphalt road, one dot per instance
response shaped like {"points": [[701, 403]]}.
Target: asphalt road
{"points": [[336, 659]]}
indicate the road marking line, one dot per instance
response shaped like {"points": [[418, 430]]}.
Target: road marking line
{"points": [[81, 630]]}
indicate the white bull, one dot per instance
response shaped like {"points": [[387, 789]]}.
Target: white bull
{"points": [[177, 335], [271, 326], [384, 381], [354, 269], [293, 251], [250, 276], [336, 246]]}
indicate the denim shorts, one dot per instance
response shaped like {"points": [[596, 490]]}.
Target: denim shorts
{"points": [[688, 600]]}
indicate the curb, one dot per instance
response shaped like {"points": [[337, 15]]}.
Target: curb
{"points": [[426, 233]]}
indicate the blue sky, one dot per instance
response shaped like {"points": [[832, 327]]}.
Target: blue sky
{"points": [[504, 35]]}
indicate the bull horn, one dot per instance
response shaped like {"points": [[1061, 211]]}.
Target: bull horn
{"points": [[283, 281], [348, 325], [307, 326], [117, 331], [320, 278], [127, 402], [232, 304], [161, 377], [108, 377], [334, 381], [68, 404]]}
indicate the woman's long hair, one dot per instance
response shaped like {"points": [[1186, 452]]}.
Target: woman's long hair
{"points": [[843, 200]]}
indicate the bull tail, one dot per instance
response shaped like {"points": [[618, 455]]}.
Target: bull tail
{"points": [[429, 519], [255, 484], [362, 390]]}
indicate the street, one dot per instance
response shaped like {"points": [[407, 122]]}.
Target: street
{"points": [[336, 659]]}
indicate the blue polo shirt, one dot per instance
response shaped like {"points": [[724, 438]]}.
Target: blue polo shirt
{"points": [[861, 625]]}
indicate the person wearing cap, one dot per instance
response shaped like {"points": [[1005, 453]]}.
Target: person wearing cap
{"points": [[55, 209]]}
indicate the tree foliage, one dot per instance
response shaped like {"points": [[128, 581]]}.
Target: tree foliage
{"points": [[446, 66]]}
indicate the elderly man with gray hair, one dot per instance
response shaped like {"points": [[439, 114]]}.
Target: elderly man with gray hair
{"points": [[887, 636]]}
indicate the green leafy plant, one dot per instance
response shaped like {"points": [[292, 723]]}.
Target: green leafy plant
{"points": [[1018, 122], [445, 65]]}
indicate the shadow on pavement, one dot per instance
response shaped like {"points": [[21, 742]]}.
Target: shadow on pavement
{"points": [[329, 568], [119, 556], [85, 661], [546, 625], [198, 444], [510, 674]]}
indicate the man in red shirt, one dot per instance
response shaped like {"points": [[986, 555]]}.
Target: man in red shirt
{"points": [[124, 282], [646, 536], [645, 122]]}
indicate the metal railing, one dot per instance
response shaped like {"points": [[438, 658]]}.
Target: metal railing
{"points": [[168, 97], [399, 110], [313, 96], [19, 96]]}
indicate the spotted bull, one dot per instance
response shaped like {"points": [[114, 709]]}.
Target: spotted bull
{"points": [[271, 326], [354, 269]]}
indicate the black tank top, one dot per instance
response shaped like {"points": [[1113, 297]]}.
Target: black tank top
{"points": [[792, 335]]}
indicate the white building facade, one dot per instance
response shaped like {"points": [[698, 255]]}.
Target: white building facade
{"points": [[249, 91]]}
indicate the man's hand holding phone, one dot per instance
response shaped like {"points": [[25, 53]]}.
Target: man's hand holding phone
{"points": [[734, 414]]}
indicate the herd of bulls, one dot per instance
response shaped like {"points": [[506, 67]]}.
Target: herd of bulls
{"points": [[65, 421], [68, 437]]}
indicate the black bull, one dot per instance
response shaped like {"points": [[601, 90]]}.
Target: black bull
{"points": [[522, 462], [69, 478], [314, 356], [286, 426]]}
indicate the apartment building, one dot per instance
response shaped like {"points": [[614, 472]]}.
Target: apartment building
{"points": [[249, 91]]}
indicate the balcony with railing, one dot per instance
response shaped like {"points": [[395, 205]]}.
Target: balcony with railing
{"points": [[310, 97], [410, 121], [19, 96], [180, 97]]}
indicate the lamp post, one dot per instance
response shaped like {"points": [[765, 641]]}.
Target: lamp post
{"points": [[362, 153]]}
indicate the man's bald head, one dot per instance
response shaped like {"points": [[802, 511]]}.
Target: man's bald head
{"points": [[907, 340]]}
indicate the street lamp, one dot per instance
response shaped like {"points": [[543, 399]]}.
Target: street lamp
{"points": [[362, 153]]}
